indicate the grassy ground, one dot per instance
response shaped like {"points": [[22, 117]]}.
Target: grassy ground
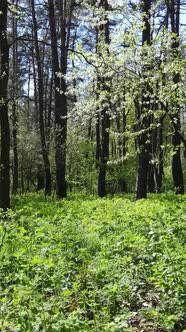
{"points": [[88, 264]]}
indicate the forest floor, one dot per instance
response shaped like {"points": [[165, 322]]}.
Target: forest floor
{"points": [[87, 264]]}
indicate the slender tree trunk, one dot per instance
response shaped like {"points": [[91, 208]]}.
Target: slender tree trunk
{"points": [[50, 103], [98, 144], [41, 105], [159, 165], [60, 101], [177, 172], [40, 178], [14, 110], [105, 125], [61, 135], [97, 88], [105, 113], [49, 113], [143, 140], [151, 178], [15, 150], [4, 121]]}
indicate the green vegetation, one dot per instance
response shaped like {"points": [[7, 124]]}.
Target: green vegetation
{"points": [[90, 264]]}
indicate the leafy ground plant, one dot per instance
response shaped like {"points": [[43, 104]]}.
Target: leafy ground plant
{"points": [[90, 264]]}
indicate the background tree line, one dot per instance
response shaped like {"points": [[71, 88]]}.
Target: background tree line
{"points": [[92, 97]]}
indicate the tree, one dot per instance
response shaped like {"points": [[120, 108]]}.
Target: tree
{"points": [[4, 120], [13, 94], [59, 64], [103, 124], [143, 113], [41, 103], [116, 71], [174, 12]]}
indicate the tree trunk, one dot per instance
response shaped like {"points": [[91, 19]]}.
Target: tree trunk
{"points": [[98, 144], [151, 178], [177, 172], [105, 125], [143, 144], [142, 171], [4, 121], [60, 97], [15, 150], [41, 105], [40, 178], [105, 112], [14, 110]]}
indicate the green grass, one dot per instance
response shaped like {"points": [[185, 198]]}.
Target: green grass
{"points": [[88, 264]]}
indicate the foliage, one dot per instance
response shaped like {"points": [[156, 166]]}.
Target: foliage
{"points": [[90, 264], [133, 71]]}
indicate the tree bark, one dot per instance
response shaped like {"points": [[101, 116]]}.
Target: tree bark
{"points": [[4, 121], [14, 109], [15, 150], [105, 125], [177, 172], [105, 112], [40, 178], [41, 105], [60, 93], [143, 139]]}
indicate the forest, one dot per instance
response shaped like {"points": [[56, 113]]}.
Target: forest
{"points": [[92, 97], [92, 165]]}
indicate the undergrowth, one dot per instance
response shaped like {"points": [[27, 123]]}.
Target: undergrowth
{"points": [[89, 264]]}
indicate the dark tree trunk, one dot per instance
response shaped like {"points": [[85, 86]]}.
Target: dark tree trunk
{"points": [[142, 171], [151, 178], [177, 172], [105, 112], [40, 178], [50, 103], [98, 144], [105, 125], [60, 141], [159, 165], [143, 140], [4, 121], [35, 79], [97, 88], [60, 98], [41, 105], [48, 111], [14, 110], [15, 150]]}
